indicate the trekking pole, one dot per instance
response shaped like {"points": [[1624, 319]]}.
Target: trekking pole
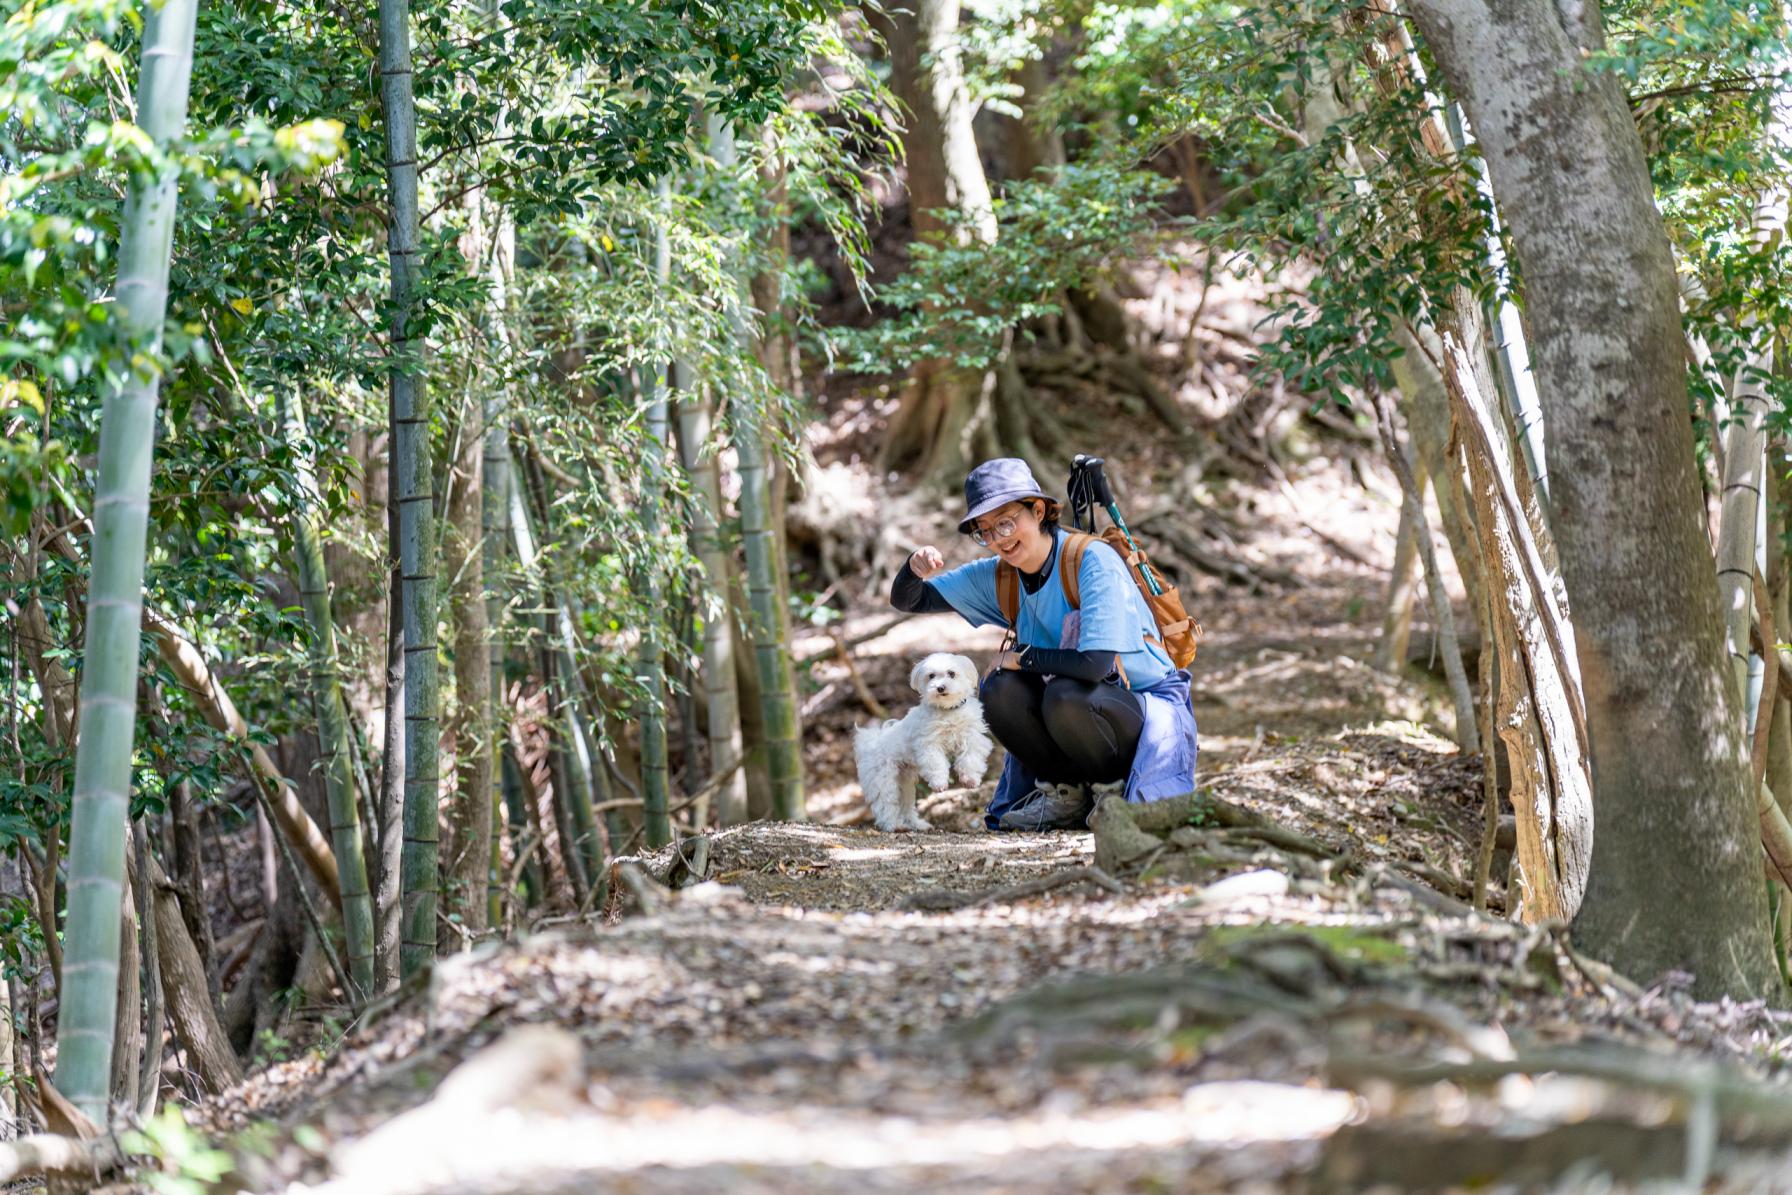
{"points": [[1103, 493]]}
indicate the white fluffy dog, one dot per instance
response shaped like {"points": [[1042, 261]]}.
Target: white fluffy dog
{"points": [[941, 736]]}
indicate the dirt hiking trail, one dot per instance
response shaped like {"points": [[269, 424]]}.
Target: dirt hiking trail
{"points": [[1278, 986]]}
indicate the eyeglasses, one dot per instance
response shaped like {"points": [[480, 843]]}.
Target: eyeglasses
{"points": [[1004, 528]]}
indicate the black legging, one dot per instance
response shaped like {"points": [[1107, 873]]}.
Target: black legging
{"points": [[1064, 731]]}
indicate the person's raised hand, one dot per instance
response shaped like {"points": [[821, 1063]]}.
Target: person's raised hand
{"points": [[927, 562]]}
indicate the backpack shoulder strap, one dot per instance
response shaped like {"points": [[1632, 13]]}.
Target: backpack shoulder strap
{"points": [[1008, 591], [1070, 564]]}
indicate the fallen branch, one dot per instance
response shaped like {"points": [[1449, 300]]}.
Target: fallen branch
{"points": [[1768, 1108], [710, 787], [940, 900], [872, 705], [187, 662], [46, 1153]]}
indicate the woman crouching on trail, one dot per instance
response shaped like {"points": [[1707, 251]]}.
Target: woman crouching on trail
{"points": [[1086, 701]]}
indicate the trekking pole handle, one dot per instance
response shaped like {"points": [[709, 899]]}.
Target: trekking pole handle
{"points": [[1098, 481]]}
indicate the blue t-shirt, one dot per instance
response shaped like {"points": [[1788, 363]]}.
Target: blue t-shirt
{"points": [[1114, 616]]}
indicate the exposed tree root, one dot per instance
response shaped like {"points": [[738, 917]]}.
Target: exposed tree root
{"points": [[939, 900]]}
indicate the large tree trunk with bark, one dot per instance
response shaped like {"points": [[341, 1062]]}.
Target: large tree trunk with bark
{"points": [[1539, 716], [1676, 874], [947, 418], [187, 991]]}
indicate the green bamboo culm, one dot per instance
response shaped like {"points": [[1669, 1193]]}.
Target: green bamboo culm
{"points": [[587, 787], [327, 699], [721, 693], [494, 531], [418, 865], [650, 670], [115, 592], [765, 595], [765, 574]]}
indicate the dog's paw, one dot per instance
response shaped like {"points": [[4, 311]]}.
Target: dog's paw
{"points": [[918, 823], [937, 779], [969, 779]]}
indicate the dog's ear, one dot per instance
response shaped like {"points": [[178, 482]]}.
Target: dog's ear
{"points": [[914, 675]]}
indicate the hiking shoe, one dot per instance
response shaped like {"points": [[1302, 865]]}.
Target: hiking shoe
{"points": [[1048, 807], [1101, 792]]}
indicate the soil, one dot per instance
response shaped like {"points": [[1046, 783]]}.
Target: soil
{"points": [[789, 1026], [1232, 1013]]}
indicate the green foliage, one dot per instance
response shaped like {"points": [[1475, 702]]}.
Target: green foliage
{"points": [[959, 295], [1708, 85], [185, 1161]]}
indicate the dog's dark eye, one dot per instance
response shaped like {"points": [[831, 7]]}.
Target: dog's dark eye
{"points": [[951, 675]]}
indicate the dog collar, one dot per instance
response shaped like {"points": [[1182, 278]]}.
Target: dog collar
{"points": [[946, 709]]}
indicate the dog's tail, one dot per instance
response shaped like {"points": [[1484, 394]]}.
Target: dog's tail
{"points": [[877, 770]]}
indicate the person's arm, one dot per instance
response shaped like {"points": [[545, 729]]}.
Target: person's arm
{"points": [[911, 595], [1091, 666]]}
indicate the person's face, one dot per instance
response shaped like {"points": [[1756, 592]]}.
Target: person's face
{"points": [[1011, 532]]}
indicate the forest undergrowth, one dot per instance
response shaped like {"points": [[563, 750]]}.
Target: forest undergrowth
{"points": [[1277, 986]]}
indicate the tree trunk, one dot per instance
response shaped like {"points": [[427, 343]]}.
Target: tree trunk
{"points": [[1779, 589], [1396, 617], [128, 1029], [470, 813], [1031, 145], [187, 992], [115, 595], [409, 398], [1432, 428], [1467, 735], [189, 879], [149, 1075], [332, 711], [1676, 875], [946, 421], [1540, 714]]}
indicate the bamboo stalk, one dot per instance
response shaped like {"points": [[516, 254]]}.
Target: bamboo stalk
{"points": [[650, 669], [765, 577], [115, 595], [589, 785], [416, 514], [332, 714], [721, 692], [466, 870], [494, 530]]}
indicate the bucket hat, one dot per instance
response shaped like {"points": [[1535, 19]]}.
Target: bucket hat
{"points": [[995, 484]]}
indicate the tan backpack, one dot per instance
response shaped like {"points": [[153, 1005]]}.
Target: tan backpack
{"points": [[1177, 633]]}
